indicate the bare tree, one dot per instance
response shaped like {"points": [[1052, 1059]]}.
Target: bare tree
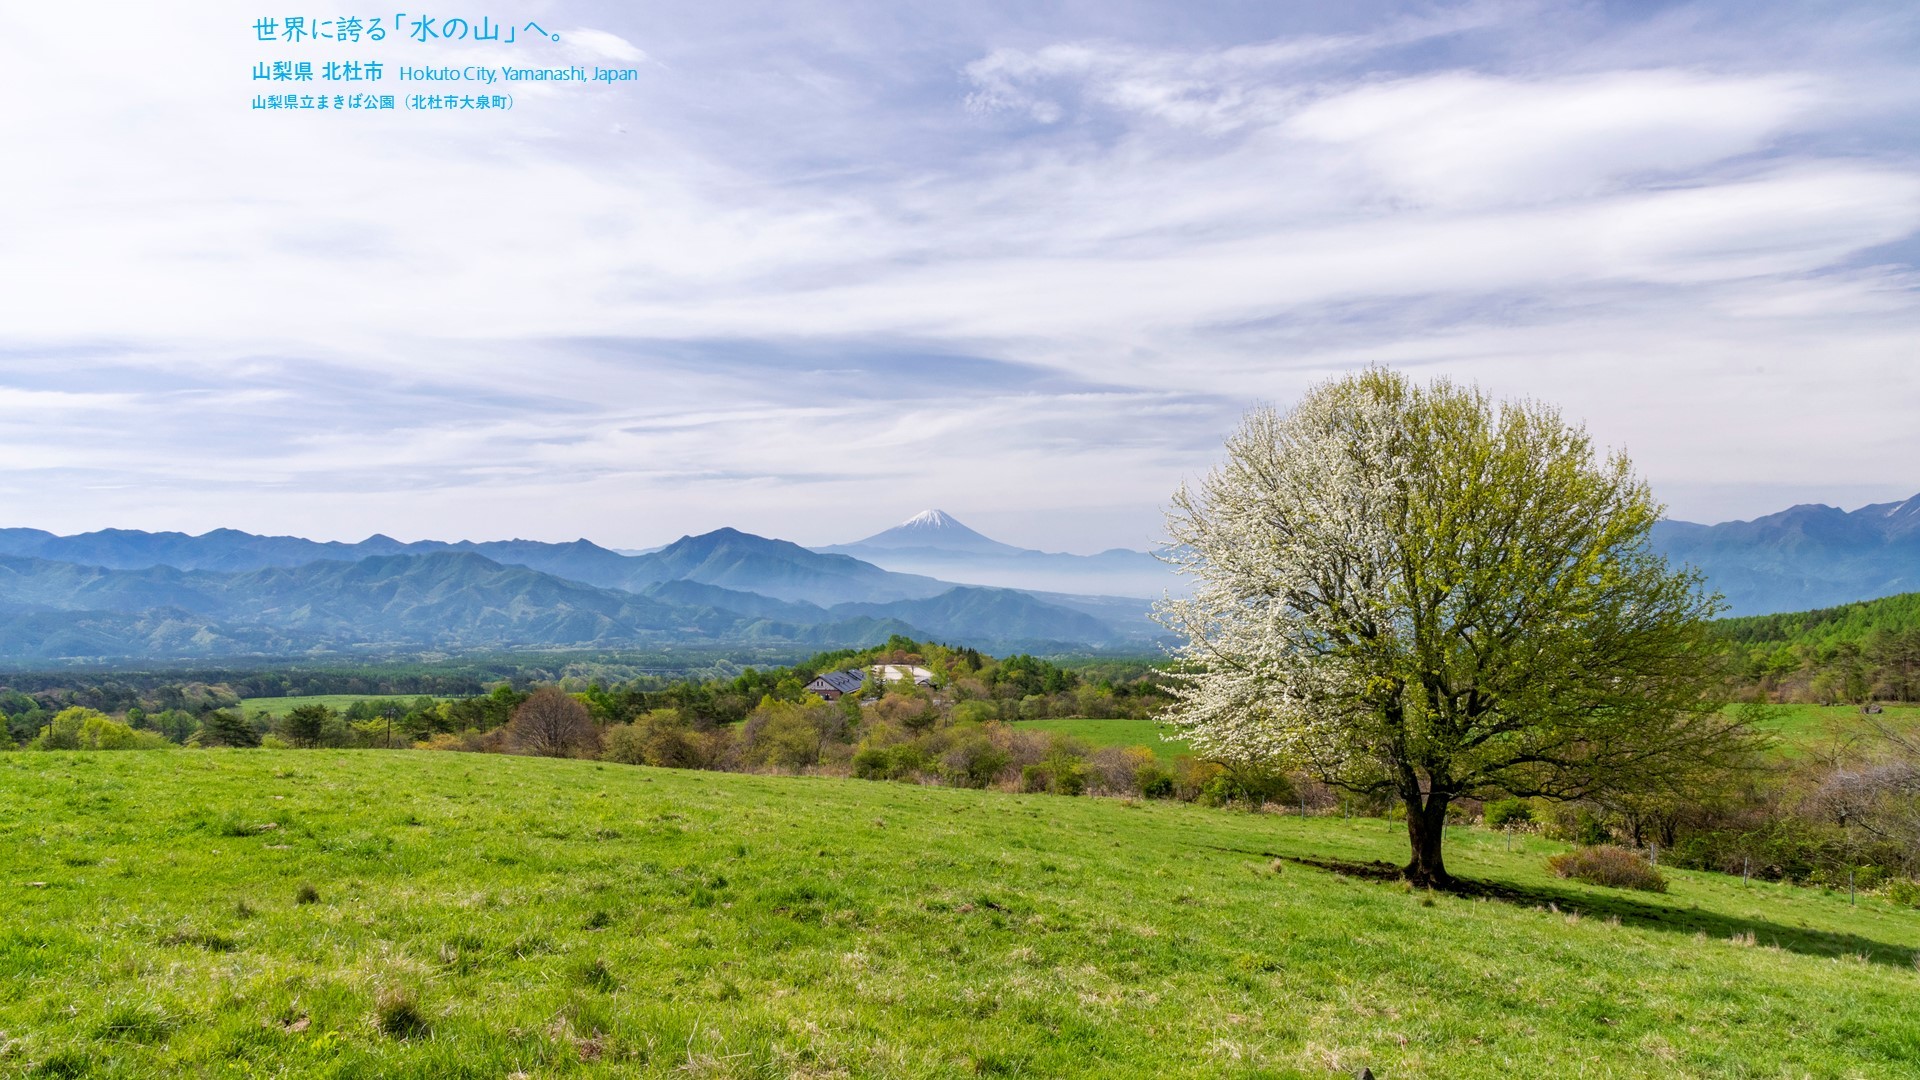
{"points": [[551, 723]]}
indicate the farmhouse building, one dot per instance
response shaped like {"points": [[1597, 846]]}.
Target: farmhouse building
{"points": [[834, 684]]}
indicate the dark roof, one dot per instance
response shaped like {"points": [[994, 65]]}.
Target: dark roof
{"points": [[845, 682]]}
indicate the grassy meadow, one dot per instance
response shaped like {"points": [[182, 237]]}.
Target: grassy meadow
{"points": [[281, 706], [1800, 728], [366, 913], [1111, 732]]}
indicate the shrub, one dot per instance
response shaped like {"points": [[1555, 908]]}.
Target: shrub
{"points": [[623, 743], [1064, 765], [1250, 786], [102, 733], [906, 709], [1578, 824], [1116, 771], [1614, 867], [975, 712], [1217, 791], [1155, 782], [305, 725], [1190, 775], [790, 736], [1902, 891], [873, 763], [1505, 813], [1069, 775], [1864, 877], [1035, 778], [661, 737], [470, 740], [80, 728], [974, 762], [227, 729]]}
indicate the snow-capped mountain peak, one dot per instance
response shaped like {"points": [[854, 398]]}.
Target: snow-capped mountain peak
{"points": [[936, 529]]}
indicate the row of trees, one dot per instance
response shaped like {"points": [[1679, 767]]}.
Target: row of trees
{"points": [[1880, 665], [1847, 806], [899, 732]]}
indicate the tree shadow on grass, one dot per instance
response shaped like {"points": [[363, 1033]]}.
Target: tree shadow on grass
{"points": [[1633, 911]]}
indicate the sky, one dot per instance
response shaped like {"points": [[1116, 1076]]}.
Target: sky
{"points": [[820, 266]]}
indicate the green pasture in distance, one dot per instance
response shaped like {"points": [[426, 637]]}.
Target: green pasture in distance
{"points": [[281, 706], [423, 914], [1800, 728], [1111, 732]]}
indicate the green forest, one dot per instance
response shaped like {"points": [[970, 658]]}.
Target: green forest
{"points": [[1854, 654]]}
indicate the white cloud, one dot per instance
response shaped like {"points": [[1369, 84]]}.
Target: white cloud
{"points": [[1176, 230], [1461, 138]]}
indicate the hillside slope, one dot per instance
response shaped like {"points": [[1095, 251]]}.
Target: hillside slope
{"points": [[505, 915]]}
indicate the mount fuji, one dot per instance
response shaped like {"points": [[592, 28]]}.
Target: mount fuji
{"points": [[935, 543], [936, 530]]}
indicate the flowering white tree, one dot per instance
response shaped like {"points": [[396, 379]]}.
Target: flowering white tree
{"points": [[1413, 591]]}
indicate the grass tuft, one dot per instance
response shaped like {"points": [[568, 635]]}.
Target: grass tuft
{"points": [[594, 975], [1613, 867], [397, 1013], [306, 894], [129, 1022]]}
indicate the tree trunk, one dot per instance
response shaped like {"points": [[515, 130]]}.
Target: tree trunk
{"points": [[1426, 825]]}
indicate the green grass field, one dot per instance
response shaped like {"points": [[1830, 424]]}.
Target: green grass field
{"points": [[1799, 727], [492, 916], [1098, 733], [281, 706]]}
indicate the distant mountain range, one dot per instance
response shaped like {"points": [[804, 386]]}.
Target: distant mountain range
{"points": [[1808, 556], [934, 544], [724, 557], [1804, 557], [125, 594], [128, 594]]}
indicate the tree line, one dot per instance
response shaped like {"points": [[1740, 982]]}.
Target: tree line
{"points": [[1852, 654]]}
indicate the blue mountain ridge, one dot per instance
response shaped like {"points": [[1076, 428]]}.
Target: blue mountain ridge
{"points": [[1804, 557], [520, 594]]}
